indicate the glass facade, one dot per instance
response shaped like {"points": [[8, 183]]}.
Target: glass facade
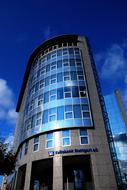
{"points": [[56, 94], [119, 131]]}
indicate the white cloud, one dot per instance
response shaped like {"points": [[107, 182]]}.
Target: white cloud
{"points": [[9, 140], [112, 62], [7, 110], [6, 94], [11, 115], [112, 66]]}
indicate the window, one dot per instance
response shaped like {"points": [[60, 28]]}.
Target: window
{"points": [[60, 93], [53, 65], [53, 55], [36, 144], [77, 111], [52, 114], [48, 68], [72, 62], [40, 100], [80, 75], [59, 52], [60, 113], [53, 79], [59, 64], [85, 111], [66, 138], [41, 84], [78, 62], [32, 91], [66, 76], [77, 52], [46, 97], [26, 148], [52, 95], [20, 154], [68, 112], [65, 51], [83, 136], [67, 92], [65, 62], [31, 105], [82, 91], [38, 119], [28, 124], [71, 51], [34, 78], [42, 71], [49, 140]]}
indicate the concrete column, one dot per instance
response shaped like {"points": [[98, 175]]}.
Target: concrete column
{"points": [[28, 176], [57, 173]]}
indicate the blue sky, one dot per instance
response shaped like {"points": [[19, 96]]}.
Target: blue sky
{"points": [[27, 23]]}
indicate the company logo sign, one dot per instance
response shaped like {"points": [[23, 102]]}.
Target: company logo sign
{"points": [[84, 150]]}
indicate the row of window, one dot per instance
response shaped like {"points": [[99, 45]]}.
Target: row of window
{"points": [[56, 94], [58, 113], [49, 141], [56, 78], [54, 54], [52, 67], [65, 112]]}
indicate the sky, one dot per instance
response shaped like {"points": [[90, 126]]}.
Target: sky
{"points": [[25, 24]]}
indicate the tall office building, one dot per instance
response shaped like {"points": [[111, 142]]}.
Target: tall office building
{"points": [[118, 122], [60, 138]]}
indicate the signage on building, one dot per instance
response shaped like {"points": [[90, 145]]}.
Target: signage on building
{"points": [[84, 150]]}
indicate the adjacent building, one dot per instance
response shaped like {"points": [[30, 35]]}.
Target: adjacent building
{"points": [[62, 138], [118, 122]]}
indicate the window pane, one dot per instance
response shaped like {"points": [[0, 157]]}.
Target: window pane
{"points": [[52, 117], [47, 81], [48, 68], [60, 93], [83, 132], [67, 95], [71, 51], [68, 108], [36, 139], [35, 147], [59, 77], [45, 116], [49, 144], [75, 92], [84, 140], [49, 136], [60, 113], [86, 114], [85, 107], [73, 75], [46, 97], [65, 133], [59, 52], [69, 115], [59, 64], [77, 111], [66, 141], [67, 89], [52, 111]]}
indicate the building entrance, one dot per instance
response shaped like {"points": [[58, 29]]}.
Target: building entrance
{"points": [[77, 173], [42, 175]]}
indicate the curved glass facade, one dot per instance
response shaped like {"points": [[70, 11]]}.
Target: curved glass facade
{"points": [[56, 95]]}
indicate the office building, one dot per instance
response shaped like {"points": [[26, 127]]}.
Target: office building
{"points": [[61, 133], [118, 122]]}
